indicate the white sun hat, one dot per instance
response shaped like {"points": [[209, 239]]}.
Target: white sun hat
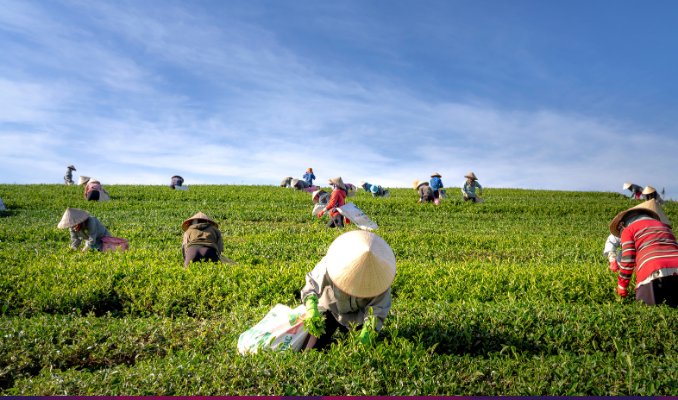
{"points": [[83, 180], [361, 264], [72, 217]]}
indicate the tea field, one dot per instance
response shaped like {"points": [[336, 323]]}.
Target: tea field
{"points": [[511, 297]]}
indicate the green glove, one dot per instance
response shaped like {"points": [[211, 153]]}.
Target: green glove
{"points": [[313, 322], [364, 337]]}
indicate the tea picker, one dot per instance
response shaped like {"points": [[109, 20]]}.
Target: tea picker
{"points": [[650, 193], [649, 247], [202, 241], [424, 190], [437, 184], [177, 182], [352, 281], [469, 188], [83, 226], [95, 192], [634, 189], [337, 199], [376, 190], [68, 177], [309, 177]]}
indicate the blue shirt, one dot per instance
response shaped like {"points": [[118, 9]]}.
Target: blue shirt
{"points": [[436, 183], [309, 177]]}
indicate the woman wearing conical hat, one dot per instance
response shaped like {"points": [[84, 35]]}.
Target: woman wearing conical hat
{"points": [[83, 226], [202, 240], [320, 197], [634, 189], [436, 184], [650, 193], [376, 190], [469, 188], [424, 190], [337, 199], [353, 278], [650, 249], [68, 178], [176, 181]]}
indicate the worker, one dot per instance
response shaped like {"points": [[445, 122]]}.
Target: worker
{"points": [[202, 240], [320, 197], [309, 177], [634, 189], [299, 184], [649, 248], [93, 190], [424, 190], [286, 182], [469, 188], [376, 190], [436, 184], [337, 199], [68, 178], [176, 181], [353, 280], [650, 193], [83, 226], [612, 244]]}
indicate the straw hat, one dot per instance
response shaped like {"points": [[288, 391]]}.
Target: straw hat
{"points": [[361, 264], [92, 180], [649, 189], [471, 176], [199, 215], [83, 180], [316, 194], [72, 217], [71, 167], [362, 183], [418, 183], [627, 185], [338, 181], [652, 207], [436, 175]]}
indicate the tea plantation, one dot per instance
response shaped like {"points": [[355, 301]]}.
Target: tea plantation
{"points": [[511, 297]]}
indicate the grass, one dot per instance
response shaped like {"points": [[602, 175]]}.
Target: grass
{"points": [[512, 297]]}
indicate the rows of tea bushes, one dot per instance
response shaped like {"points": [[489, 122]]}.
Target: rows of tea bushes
{"points": [[509, 297]]}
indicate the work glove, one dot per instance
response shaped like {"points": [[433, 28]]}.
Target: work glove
{"points": [[614, 266], [347, 221], [320, 214], [364, 337], [622, 292], [313, 322]]}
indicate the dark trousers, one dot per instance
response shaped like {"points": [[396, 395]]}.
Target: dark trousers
{"points": [[427, 198], [336, 222], [93, 195], [658, 291], [200, 254], [436, 194], [331, 325]]}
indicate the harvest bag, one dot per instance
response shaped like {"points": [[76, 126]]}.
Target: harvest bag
{"points": [[436, 201], [310, 189], [443, 193], [112, 243], [350, 211], [181, 187], [281, 329], [479, 200], [319, 207]]}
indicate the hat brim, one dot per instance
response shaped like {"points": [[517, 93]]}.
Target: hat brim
{"points": [[614, 225]]}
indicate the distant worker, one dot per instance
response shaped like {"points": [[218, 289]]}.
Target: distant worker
{"points": [[176, 181], [612, 244], [469, 188], [634, 189], [650, 193], [83, 226], [68, 178], [649, 247], [320, 197], [351, 282], [297, 184], [309, 177], [376, 190], [202, 240], [286, 182], [93, 190], [424, 190], [436, 184], [337, 199]]}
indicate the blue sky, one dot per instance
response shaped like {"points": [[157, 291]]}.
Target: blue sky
{"points": [[572, 95]]}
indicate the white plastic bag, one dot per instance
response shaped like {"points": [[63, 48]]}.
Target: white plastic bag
{"points": [[319, 207], [181, 187], [83, 180], [281, 329], [443, 193], [104, 196], [350, 211], [2, 205]]}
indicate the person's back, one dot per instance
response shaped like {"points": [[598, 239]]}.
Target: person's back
{"points": [[176, 181], [203, 234], [324, 198], [309, 177]]}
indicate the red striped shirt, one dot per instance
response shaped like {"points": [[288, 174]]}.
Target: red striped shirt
{"points": [[647, 246]]}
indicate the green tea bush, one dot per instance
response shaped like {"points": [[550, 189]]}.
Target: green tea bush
{"points": [[509, 297]]}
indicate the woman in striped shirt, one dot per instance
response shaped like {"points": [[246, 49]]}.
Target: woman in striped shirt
{"points": [[650, 249]]}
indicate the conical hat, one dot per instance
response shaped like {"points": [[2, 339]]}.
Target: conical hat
{"points": [[92, 180], [652, 207], [199, 215], [471, 176], [418, 183], [361, 264], [71, 167], [649, 189], [627, 185], [338, 181], [315, 194], [436, 174], [362, 183], [83, 180], [72, 217]]}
